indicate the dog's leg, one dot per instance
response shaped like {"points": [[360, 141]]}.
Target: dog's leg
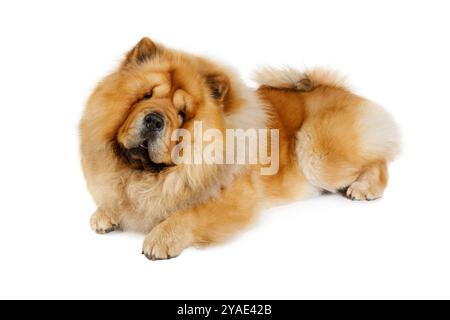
{"points": [[346, 147], [207, 223], [102, 222]]}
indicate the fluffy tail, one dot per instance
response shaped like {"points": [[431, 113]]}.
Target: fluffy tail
{"points": [[292, 79]]}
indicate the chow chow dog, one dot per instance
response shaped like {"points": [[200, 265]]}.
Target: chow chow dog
{"points": [[327, 139]]}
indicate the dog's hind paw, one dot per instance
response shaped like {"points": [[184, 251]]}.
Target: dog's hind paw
{"points": [[362, 191]]}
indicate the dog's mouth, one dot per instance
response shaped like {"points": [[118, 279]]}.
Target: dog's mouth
{"points": [[139, 158]]}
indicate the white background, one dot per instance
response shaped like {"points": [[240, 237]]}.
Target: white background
{"points": [[395, 52]]}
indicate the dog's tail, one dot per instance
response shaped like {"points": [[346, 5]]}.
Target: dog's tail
{"points": [[292, 79]]}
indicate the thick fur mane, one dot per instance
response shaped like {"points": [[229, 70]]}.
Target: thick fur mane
{"points": [[175, 187]]}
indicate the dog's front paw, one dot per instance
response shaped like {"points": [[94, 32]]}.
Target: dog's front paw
{"points": [[102, 223], [164, 242]]}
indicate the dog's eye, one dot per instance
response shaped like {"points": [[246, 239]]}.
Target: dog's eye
{"points": [[182, 115], [148, 95]]}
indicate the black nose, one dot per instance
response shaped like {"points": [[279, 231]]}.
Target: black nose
{"points": [[154, 121]]}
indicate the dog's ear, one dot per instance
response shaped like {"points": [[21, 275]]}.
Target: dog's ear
{"points": [[219, 85], [144, 50]]}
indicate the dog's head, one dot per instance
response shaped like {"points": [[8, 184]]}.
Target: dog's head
{"points": [[154, 92]]}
